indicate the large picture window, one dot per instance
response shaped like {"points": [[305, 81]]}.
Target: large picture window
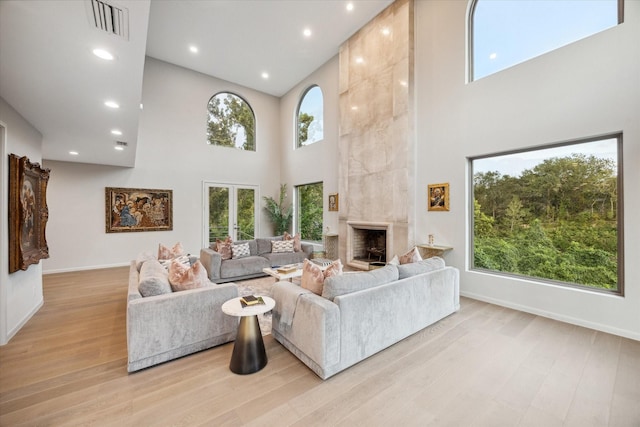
{"points": [[552, 214], [310, 117], [308, 213], [506, 33], [231, 122]]}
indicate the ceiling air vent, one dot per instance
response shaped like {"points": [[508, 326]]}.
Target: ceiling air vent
{"points": [[122, 143], [107, 17]]}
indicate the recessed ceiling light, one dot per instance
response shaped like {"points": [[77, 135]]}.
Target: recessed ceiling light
{"points": [[493, 55], [307, 32], [101, 53], [112, 104], [359, 60], [141, 106], [349, 6], [386, 31], [73, 153], [193, 49], [119, 148], [354, 107], [265, 75], [116, 132]]}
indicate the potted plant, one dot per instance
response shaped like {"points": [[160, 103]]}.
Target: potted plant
{"points": [[279, 214]]}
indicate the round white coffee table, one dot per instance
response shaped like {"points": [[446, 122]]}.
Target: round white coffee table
{"points": [[249, 355]]}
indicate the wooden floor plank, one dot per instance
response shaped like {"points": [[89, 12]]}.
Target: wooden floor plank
{"points": [[483, 366]]}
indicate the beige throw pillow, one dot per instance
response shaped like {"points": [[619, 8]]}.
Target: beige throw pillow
{"points": [[183, 277], [412, 256], [281, 246], [313, 277]]}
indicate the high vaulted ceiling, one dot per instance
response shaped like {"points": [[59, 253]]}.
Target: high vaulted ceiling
{"points": [[49, 74]]}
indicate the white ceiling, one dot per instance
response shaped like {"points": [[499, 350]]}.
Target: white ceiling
{"points": [[50, 76]]}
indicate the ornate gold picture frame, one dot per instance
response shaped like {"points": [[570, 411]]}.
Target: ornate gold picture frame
{"points": [[138, 209], [438, 197], [28, 213], [333, 202]]}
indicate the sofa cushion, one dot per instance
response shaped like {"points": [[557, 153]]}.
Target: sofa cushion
{"points": [[165, 252], [412, 256], [142, 258], [243, 266], [284, 258], [297, 245], [313, 276], [184, 259], [154, 279], [264, 244], [280, 246], [352, 282], [241, 250], [183, 277], [424, 266]]}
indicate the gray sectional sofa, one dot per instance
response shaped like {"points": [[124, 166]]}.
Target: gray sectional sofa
{"points": [[169, 325], [360, 314], [221, 271]]}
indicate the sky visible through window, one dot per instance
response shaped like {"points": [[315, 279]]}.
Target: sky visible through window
{"points": [[508, 32], [514, 164], [312, 104]]}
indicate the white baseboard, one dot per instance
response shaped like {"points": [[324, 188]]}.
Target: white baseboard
{"points": [[567, 319], [90, 267], [24, 321]]}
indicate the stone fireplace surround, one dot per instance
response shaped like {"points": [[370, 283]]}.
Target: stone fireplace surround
{"points": [[353, 244]]}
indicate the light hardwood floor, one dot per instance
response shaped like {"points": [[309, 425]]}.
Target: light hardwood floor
{"points": [[483, 366]]}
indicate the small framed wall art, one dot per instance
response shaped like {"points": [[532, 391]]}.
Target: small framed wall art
{"points": [[28, 213], [333, 202], [438, 197], [138, 209]]}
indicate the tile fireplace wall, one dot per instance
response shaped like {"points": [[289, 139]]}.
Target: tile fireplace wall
{"points": [[377, 143]]}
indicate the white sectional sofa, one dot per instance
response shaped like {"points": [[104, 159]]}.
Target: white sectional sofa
{"points": [[360, 314]]}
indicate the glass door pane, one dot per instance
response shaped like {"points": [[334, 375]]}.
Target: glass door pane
{"points": [[219, 227], [245, 213]]}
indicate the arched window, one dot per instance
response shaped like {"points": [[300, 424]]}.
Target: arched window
{"points": [[231, 122], [506, 33], [310, 117]]}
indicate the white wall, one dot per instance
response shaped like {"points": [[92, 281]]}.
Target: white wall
{"points": [[319, 161], [172, 154], [589, 88], [20, 292]]}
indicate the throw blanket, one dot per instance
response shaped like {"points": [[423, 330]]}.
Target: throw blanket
{"points": [[288, 307]]}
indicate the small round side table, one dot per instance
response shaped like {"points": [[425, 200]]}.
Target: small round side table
{"points": [[249, 355]]}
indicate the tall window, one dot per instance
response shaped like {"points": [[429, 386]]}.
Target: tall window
{"points": [[309, 211], [310, 117], [231, 122], [551, 214], [506, 33]]}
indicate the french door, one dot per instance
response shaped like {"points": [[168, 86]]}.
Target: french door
{"points": [[230, 210]]}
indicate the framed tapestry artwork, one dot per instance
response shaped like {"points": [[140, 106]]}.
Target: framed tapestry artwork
{"points": [[438, 197], [333, 202], [28, 213], [138, 209]]}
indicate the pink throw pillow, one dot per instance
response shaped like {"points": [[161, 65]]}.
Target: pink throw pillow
{"points": [[412, 256], [313, 277], [224, 247], [297, 245], [183, 277], [165, 252]]}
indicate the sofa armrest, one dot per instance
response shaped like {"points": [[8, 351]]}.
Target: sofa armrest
{"points": [[307, 248], [315, 328], [163, 323], [211, 260]]}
